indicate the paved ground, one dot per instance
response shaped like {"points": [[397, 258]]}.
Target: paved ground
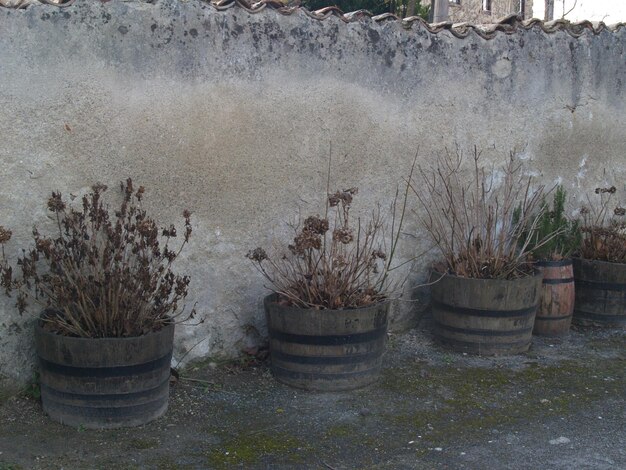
{"points": [[561, 406]]}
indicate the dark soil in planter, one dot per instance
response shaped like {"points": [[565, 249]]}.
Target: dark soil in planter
{"points": [[558, 406]]}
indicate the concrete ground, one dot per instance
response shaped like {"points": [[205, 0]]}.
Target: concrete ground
{"points": [[560, 406]]}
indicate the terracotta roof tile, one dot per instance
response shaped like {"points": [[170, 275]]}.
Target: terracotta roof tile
{"points": [[507, 25]]}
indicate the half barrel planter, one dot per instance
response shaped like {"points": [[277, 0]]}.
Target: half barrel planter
{"points": [[488, 317], [600, 293], [104, 382], [554, 316], [326, 350]]}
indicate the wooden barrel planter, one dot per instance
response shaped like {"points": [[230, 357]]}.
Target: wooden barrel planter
{"points": [[104, 382], [485, 316], [600, 293], [554, 316], [326, 350]]}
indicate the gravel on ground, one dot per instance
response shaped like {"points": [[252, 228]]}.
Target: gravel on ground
{"points": [[562, 405]]}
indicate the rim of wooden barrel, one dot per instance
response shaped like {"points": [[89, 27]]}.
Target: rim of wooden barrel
{"points": [[605, 280], [271, 300], [555, 264], [112, 339], [530, 278], [52, 347], [581, 261]]}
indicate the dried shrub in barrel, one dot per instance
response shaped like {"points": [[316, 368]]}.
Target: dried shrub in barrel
{"points": [[604, 227], [479, 217], [334, 261], [102, 274]]}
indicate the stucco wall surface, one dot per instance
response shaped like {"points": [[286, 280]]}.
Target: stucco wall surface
{"points": [[232, 114]]}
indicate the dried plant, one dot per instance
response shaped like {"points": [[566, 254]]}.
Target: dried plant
{"points": [[102, 275], [6, 272], [334, 262], [604, 228], [469, 213], [555, 236]]}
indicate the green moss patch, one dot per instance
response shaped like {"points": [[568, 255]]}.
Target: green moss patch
{"points": [[142, 444], [463, 402], [613, 343], [253, 448], [167, 463], [10, 466], [340, 431]]}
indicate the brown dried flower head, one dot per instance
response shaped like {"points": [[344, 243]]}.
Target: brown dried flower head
{"points": [[45, 246], [316, 224], [169, 232], [139, 193], [620, 211], [334, 199], [5, 234], [610, 190], [258, 255], [379, 254], [343, 235], [340, 261], [306, 240], [344, 197], [127, 189], [188, 230], [55, 203], [146, 227], [99, 188]]}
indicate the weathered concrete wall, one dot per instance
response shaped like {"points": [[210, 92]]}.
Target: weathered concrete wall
{"points": [[231, 114]]}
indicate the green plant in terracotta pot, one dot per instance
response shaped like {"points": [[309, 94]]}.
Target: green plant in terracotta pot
{"points": [[485, 293], [328, 313], [600, 267], [550, 246], [110, 302]]}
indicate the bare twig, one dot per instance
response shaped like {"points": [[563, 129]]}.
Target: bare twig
{"points": [[570, 10], [189, 379]]}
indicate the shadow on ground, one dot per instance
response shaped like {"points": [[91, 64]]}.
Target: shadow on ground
{"points": [[562, 405]]}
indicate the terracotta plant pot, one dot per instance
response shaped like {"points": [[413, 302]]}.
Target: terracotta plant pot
{"points": [[485, 316], [326, 350], [104, 382]]}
